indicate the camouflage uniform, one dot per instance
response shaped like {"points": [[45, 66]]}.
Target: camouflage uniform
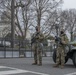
{"points": [[37, 47], [60, 54]]}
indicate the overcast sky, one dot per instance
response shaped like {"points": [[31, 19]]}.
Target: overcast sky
{"points": [[69, 4]]}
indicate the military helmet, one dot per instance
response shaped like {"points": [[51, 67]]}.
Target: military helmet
{"points": [[36, 27], [62, 30]]}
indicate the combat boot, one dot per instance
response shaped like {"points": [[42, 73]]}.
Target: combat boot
{"points": [[56, 65], [61, 66], [40, 64], [34, 63]]}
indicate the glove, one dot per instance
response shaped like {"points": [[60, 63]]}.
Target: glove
{"points": [[37, 37], [61, 43]]}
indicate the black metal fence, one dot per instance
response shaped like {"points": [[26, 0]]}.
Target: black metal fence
{"points": [[22, 48]]}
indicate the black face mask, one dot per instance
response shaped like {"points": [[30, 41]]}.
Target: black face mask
{"points": [[36, 29], [62, 32]]}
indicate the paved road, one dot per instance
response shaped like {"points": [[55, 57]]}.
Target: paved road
{"points": [[22, 66]]}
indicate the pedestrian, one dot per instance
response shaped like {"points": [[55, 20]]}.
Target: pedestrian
{"points": [[37, 39], [60, 52]]}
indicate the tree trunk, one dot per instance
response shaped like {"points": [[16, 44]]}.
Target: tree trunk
{"points": [[12, 24]]}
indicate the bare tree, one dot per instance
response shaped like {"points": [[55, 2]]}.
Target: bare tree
{"points": [[32, 13], [26, 15], [69, 17], [43, 10], [21, 6]]}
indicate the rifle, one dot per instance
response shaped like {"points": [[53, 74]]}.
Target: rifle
{"points": [[58, 40], [33, 40]]}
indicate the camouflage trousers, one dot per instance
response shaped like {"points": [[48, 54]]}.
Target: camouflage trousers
{"points": [[60, 56], [37, 48]]}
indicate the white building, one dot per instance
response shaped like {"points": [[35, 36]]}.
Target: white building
{"points": [[5, 25], [5, 28]]}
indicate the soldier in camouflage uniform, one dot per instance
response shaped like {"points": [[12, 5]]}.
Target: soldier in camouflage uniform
{"points": [[60, 53], [37, 46]]}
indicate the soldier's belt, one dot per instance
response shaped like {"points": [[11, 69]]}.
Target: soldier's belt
{"points": [[60, 45]]}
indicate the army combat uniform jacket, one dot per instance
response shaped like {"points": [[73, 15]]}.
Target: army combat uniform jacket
{"points": [[37, 47], [60, 53]]}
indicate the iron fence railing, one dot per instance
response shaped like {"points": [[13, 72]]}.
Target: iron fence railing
{"points": [[22, 48]]}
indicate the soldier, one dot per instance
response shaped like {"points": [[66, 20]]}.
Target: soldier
{"points": [[60, 53], [37, 46]]}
